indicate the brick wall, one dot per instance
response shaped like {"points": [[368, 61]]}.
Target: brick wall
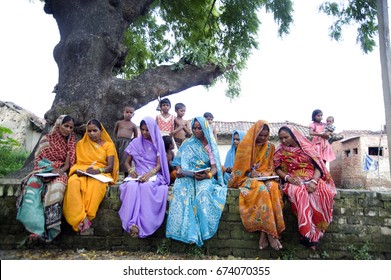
{"points": [[362, 224]]}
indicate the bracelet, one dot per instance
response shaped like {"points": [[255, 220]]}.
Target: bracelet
{"points": [[130, 170], [314, 181], [153, 171], [102, 170], [286, 177], [210, 175]]}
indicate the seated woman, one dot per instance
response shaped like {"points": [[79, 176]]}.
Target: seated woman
{"points": [[144, 200], [260, 201], [39, 206], [95, 154], [307, 183], [197, 202], [237, 136]]}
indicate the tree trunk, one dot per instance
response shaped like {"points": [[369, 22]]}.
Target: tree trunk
{"points": [[91, 33]]}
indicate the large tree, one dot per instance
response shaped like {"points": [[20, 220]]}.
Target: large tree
{"points": [[114, 52]]}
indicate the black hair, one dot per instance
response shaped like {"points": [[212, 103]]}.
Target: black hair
{"points": [[164, 101], [167, 142], [208, 115], [314, 113], [95, 122], [287, 129], [265, 127], [67, 118], [143, 123], [179, 106]]}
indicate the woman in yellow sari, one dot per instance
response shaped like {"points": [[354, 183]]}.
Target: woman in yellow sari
{"points": [[260, 201], [95, 154]]}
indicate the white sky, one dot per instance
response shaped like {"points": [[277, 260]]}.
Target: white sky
{"points": [[286, 78]]}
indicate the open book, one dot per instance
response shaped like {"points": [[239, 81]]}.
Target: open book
{"points": [[153, 178], [191, 173], [264, 178], [99, 177], [48, 174]]}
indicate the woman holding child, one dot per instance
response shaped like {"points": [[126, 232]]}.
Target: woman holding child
{"points": [[307, 183], [144, 199], [197, 202], [39, 206], [95, 154], [260, 201]]}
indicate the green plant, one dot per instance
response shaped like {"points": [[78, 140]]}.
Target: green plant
{"points": [[11, 155], [361, 253], [164, 247]]}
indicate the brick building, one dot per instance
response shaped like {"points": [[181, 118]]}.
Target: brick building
{"points": [[352, 168]]}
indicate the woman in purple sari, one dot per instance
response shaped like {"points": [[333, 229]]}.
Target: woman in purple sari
{"points": [[144, 192]]}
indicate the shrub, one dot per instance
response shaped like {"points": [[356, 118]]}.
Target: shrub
{"points": [[12, 157]]}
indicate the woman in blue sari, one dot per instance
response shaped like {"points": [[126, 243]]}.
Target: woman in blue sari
{"points": [[237, 136], [197, 202]]}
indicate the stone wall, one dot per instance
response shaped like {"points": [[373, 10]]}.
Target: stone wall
{"points": [[361, 229]]}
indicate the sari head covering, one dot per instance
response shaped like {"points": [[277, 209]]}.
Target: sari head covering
{"points": [[309, 149], [138, 151], [52, 144], [248, 156], [87, 153], [230, 157], [208, 133]]}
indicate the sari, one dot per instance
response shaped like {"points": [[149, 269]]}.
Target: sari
{"points": [[39, 206], [144, 204], [260, 202], [196, 205], [314, 210], [230, 157], [84, 193]]}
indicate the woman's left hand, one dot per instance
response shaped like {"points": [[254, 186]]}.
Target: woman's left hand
{"points": [[311, 187], [201, 175], [145, 177]]}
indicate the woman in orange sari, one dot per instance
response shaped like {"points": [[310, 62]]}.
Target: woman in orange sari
{"points": [[307, 183], [95, 154], [260, 201]]}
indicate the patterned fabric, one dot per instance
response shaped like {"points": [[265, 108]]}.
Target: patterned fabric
{"points": [[230, 157], [322, 146], [196, 206], [260, 202], [166, 125], [84, 194], [314, 210], [39, 206], [144, 204]]}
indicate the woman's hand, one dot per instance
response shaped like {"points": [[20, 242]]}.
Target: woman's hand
{"points": [[228, 170], [294, 180], [201, 175], [145, 177], [45, 180], [311, 187], [133, 174], [93, 171]]}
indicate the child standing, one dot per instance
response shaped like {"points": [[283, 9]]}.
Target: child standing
{"points": [[320, 136], [169, 147], [182, 130], [124, 131], [209, 117], [165, 121]]}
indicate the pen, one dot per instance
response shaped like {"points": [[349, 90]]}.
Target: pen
{"points": [[92, 164]]}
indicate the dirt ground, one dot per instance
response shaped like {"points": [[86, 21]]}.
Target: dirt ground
{"points": [[99, 255]]}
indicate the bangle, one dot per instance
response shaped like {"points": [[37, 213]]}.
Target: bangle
{"points": [[314, 181], [153, 171], [102, 170], [210, 175], [130, 170], [286, 177]]}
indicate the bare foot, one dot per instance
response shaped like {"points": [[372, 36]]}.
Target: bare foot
{"points": [[274, 242], [263, 243], [134, 231]]}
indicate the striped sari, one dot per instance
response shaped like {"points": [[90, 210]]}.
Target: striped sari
{"points": [[314, 210]]}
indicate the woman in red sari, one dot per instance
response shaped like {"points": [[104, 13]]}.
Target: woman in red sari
{"points": [[307, 183], [260, 201]]}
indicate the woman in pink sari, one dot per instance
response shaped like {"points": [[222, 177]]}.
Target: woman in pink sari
{"points": [[307, 183]]}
